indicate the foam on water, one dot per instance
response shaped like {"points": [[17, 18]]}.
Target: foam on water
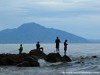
{"points": [[44, 63]]}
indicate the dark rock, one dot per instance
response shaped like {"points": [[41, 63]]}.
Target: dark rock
{"points": [[94, 57], [24, 64], [37, 53], [22, 60], [28, 62], [79, 62], [34, 64], [34, 57], [3, 62], [10, 61], [82, 57], [7, 62], [24, 54], [53, 57], [30, 59], [65, 58]]}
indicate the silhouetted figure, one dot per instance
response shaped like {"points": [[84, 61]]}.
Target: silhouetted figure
{"points": [[57, 41], [38, 46], [20, 49], [65, 46]]}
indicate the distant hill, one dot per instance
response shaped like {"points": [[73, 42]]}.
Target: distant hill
{"points": [[94, 40], [32, 32]]}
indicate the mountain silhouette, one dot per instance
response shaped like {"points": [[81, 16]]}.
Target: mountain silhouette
{"points": [[32, 32]]}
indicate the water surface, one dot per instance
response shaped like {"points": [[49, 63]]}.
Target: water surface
{"points": [[89, 65]]}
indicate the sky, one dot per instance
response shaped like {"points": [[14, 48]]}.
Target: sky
{"points": [[80, 17]]}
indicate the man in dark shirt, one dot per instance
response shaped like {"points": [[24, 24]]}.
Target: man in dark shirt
{"points": [[65, 46], [57, 41], [38, 46], [20, 49]]}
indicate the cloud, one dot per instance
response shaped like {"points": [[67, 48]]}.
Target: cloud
{"points": [[62, 7], [49, 8], [52, 6]]}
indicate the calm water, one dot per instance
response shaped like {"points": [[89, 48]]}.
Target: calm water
{"points": [[91, 66]]}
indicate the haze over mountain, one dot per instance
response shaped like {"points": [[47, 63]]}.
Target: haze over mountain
{"points": [[32, 32]]}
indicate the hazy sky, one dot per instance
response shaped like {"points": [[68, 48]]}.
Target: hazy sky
{"points": [[80, 17]]}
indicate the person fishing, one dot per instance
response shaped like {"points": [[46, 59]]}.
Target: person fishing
{"points": [[57, 41], [65, 47], [38, 46], [20, 49]]}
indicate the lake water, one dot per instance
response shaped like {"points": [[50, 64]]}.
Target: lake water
{"points": [[89, 65]]}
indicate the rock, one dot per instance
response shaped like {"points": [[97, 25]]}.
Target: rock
{"points": [[53, 57], [34, 64], [24, 54], [30, 59], [37, 53], [34, 57], [79, 62], [7, 62], [3, 62], [28, 62], [10, 61], [24, 64], [65, 58], [94, 57], [22, 60]]}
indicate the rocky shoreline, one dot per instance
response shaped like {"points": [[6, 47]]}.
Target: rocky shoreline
{"points": [[31, 59]]}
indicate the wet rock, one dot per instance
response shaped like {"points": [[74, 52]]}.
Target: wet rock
{"points": [[65, 58], [53, 57], [82, 57], [10, 61], [24, 64], [28, 62], [94, 57], [30, 59], [79, 62], [34, 64], [3, 62], [37, 53], [7, 61]]}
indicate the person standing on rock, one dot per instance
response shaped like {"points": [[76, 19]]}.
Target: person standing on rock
{"points": [[38, 46], [65, 46], [57, 41], [20, 49]]}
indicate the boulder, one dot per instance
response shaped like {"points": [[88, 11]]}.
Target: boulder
{"points": [[94, 57], [37, 53], [34, 64], [7, 62], [65, 58], [53, 57], [24, 64], [30, 59], [28, 62], [3, 62]]}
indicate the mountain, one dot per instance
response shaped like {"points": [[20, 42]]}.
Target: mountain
{"points": [[32, 32]]}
